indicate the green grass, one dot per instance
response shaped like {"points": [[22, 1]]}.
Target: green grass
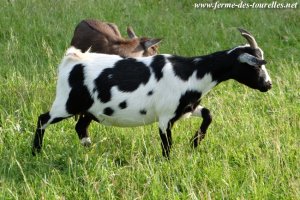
{"points": [[252, 147]]}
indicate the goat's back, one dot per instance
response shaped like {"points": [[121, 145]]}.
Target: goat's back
{"points": [[94, 34]]}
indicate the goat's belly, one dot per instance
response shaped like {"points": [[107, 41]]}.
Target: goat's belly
{"points": [[125, 121]]}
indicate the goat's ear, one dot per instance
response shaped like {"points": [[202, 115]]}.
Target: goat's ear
{"points": [[151, 42], [251, 60], [131, 34]]}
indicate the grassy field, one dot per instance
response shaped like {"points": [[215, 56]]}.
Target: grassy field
{"points": [[251, 150]]}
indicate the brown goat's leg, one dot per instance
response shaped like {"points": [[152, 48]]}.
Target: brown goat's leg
{"points": [[82, 129], [207, 118]]}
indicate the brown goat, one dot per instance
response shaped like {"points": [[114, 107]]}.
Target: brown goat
{"points": [[103, 37]]}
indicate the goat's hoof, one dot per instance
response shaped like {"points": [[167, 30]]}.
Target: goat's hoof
{"points": [[166, 154], [86, 141], [194, 143], [197, 139], [35, 150]]}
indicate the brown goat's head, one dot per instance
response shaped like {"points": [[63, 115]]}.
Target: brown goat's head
{"points": [[149, 45]]}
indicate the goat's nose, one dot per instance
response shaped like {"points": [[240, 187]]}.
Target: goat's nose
{"points": [[269, 84]]}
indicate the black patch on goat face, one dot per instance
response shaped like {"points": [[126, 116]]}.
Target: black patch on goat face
{"points": [[108, 111], [187, 103], [143, 112], [157, 66], [251, 76], [127, 75], [123, 105], [79, 97]]}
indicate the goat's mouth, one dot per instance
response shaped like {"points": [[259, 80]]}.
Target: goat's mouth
{"points": [[266, 87]]}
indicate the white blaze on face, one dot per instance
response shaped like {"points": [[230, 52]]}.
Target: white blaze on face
{"points": [[268, 78], [263, 67]]}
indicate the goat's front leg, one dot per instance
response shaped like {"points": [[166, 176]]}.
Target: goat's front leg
{"points": [[82, 129], [207, 118], [165, 136]]}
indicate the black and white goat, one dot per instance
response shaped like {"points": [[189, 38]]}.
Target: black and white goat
{"points": [[126, 92]]}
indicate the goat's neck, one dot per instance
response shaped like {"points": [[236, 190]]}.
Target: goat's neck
{"points": [[218, 64], [216, 67]]}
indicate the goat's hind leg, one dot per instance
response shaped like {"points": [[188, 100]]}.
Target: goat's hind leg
{"points": [[82, 129], [207, 118], [43, 121]]}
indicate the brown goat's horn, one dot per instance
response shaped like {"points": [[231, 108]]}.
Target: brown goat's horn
{"points": [[249, 38], [131, 33]]}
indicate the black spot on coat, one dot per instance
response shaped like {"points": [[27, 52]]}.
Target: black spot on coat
{"points": [[143, 112], [157, 66], [108, 111], [123, 105], [183, 67], [217, 64], [79, 97], [187, 103], [104, 84], [150, 93], [127, 75]]}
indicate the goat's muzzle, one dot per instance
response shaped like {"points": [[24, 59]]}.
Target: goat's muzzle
{"points": [[267, 86]]}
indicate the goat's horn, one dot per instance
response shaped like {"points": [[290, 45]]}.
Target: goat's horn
{"points": [[249, 38], [131, 33]]}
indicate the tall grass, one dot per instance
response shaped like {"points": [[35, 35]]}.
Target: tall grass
{"points": [[252, 147]]}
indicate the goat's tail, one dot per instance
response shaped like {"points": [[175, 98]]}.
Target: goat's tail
{"points": [[74, 54]]}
